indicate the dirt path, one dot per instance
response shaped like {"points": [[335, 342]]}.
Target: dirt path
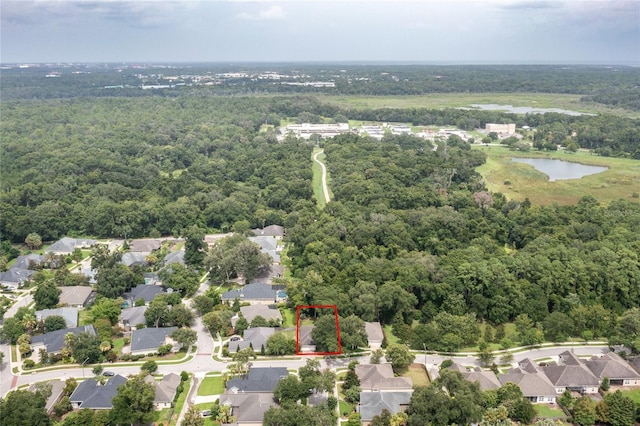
{"points": [[325, 189]]}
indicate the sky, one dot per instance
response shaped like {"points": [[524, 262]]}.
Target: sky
{"points": [[402, 31]]}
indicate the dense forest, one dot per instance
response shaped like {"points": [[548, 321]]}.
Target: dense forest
{"points": [[412, 239]]}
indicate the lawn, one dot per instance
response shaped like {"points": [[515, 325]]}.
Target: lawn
{"points": [[162, 416], [180, 401], [544, 410], [211, 386], [288, 317], [391, 338], [84, 317], [418, 375], [118, 344], [345, 407], [634, 394], [622, 180]]}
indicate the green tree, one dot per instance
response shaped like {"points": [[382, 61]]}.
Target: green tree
{"points": [[105, 308], [584, 411], [218, 321], [557, 326], [12, 329], [203, 303], [181, 279], [86, 346], [354, 420], [113, 281], [33, 241], [399, 357], [150, 366], [46, 296], [180, 316], [195, 247], [157, 314], [522, 411], [620, 409], [192, 417], [23, 408], [289, 390], [133, 404], [325, 334], [279, 344], [185, 336], [241, 325], [352, 332], [53, 323], [97, 370], [376, 356]]}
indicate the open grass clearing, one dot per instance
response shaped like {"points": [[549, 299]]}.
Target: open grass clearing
{"points": [[621, 181], [211, 386], [162, 416], [318, 193], [457, 100], [180, 402], [288, 317], [548, 411], [345, 408], [418, 374], [634, 394], [391, 338]]}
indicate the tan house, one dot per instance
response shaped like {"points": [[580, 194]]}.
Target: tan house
{"points": [[380, 377], [165, 389]]}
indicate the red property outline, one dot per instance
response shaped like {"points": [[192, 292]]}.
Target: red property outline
{"points": [[335, 312]]}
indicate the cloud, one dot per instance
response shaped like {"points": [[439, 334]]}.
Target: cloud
{"points": [[532, 5], [273, 13]]}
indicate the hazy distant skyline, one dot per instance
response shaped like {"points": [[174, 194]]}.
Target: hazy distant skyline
{"points": [[484, 31]]}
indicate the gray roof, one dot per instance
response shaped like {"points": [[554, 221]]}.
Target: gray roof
{"points": [[374, 331], [174, 257], [248, 407], [258, 380], [531, 384], [68, 245], [75, 295], [57, 387], [133, 316], [571, 373], [268, 245], [166, 388], [375, 377], [304, 335], [264, 311], [24, 261], [54, 341], [610, 365], [70, 315], [372, 403], [146, 292], [270, 231], [253, 337], [149, 339], [251, 292], [133, 259], [144, 246], [486, 379], [90, 394], [15, 276]]}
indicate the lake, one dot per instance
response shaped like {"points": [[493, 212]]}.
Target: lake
{"points": [[526, 110], [560, 169]]}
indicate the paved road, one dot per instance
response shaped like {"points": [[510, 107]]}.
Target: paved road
{"points": [[325, 189]]}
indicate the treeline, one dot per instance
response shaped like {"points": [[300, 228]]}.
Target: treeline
{"points": [[412, 235]]}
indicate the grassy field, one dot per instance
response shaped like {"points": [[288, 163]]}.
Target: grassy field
{"points": [[622, 179], [288, 317], [418, 375], [546, 411], [634, 394], [180, 402], [211, 386], [455, 100]]}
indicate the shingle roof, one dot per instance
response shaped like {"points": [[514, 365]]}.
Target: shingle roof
{"points": [[251, 292], [149, 339], [486, 379], [90, 394], [15, 276], [264, 311], [268, 245], [76, 295], [145, 292], [24, 261], [270, 231], [570, 375], [372, 403], [70, 315], [174, 257], [144, 246], [166, 388], [255, 337], [248, 407], [68, 245], [133, 316], [258, 380], [54, 341], [380, 377], [531, 384], [304, 335], [134, 259], [610, 365]]}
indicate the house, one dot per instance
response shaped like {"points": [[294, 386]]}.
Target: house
{"points": [[89, 273], [570, 373], [375, 336], [305, 341], [28, 261], [53, 342], [67, 245], [248, 408], [134, 259], [212, 239], [252, 293], [76, 296], [91, 394], [258, 380], [57, 389], [144, 246], [534, 384], [372, 403], [144, 292], [165, 389], [174, 257], [255, 338], [15, 278], [131, 317], [380, 377], [268, 245], [148, 340], [151, 278], [70, 315], [252, 311], [275, 231], [486, 379], [612, 366], [267, 275]]}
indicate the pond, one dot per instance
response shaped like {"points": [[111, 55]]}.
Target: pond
{"points": [[560, 169], [526, 110]]}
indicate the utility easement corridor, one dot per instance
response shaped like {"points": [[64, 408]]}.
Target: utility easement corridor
{"points": [[325, 189]]}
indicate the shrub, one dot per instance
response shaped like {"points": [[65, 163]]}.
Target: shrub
{"points": [[151, 366], [28, 363], [184, 376], [507, 182]]}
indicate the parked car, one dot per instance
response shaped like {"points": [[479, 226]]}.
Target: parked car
{"points": [[108, 373], [206, 413]]}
